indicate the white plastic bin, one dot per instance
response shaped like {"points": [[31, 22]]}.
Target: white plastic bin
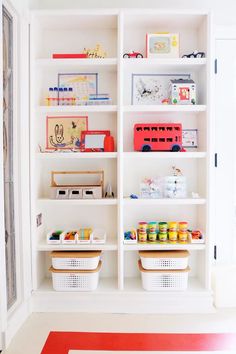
{"points": [[164, 259], [81, 260]]}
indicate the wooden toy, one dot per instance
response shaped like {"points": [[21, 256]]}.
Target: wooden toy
{"points": [[162, 45], [97, 52], [90, 187], [158, 137], [133, 54], [182, 91]]}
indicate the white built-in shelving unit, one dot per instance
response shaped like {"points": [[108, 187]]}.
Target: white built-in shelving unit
{"points": [[120, 288]]}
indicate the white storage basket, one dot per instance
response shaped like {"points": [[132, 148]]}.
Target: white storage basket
{"points": [[164, 259], [87, 260], [75, 280], [164, 280]]}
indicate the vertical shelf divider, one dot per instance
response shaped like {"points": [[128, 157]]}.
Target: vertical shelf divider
{"points": [[120, 207]]}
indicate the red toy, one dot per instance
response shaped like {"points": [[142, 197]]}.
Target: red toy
{"points": [[133, 55], [158, 137], [93, 140]]}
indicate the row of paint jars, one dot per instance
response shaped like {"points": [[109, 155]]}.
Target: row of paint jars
{"points": [[171, 231]]}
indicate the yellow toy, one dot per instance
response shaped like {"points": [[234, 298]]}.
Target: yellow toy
{"points": [[97, 52]]}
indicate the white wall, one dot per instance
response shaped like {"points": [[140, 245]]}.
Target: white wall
{"points": [[224, 12]]}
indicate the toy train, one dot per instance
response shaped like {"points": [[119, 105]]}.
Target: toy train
{"points": [[158, 137]]}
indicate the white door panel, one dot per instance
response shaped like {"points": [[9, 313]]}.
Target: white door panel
{"points": [[225, 147]]}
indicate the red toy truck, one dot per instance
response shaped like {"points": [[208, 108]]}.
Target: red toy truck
{"points": [[158, 137]]}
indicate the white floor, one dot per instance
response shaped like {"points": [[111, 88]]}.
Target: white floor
{"points": [[32, 336]]}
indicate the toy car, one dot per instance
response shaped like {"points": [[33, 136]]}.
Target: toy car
{"points": [[133, 54], [194, 54]]}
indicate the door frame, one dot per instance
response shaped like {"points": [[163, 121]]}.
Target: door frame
{"points": [[12, 319]]}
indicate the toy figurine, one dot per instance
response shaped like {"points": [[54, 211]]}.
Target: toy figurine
{"points": [[97, 52], [109, 193], [194, 54], [133, 54]]}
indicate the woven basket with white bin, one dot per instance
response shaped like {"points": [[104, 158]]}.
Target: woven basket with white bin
{"points": [[164, 280], [75, 280], [164, 259], [81, 260]]}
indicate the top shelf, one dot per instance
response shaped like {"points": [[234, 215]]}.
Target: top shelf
{"points": [[108, 64]]}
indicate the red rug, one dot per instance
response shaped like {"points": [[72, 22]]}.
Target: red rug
{"points": [[62, 342]]}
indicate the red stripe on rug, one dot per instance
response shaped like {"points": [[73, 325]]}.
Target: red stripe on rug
{"points": [[62, 342]]}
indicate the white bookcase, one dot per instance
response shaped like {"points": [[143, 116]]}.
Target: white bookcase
{"points": [[120, 288]]}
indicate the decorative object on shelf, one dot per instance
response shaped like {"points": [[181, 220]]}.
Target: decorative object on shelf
{"points": [[196, 236], [162, 45], [97, 52], [62, 96], [151, 89], [151, 188], [195, 54], [93, 140], [157, 137], [84, 235], [64, 132], [69, 56], [133, 196], [83, 84], [109, 193], [90, 186], [190, 138], [175, 186], [132, 54], [182, 91], [130, 236], [98, 236], [165, 101], [54, 237], [109, 144]]}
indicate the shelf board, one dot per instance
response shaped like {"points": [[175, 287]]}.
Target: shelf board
{"points": [[151, 247], [108, 64], [165, 155], [165, 108], [84, 202], [191, 64], [104, 285], [76, 109], [134, 285], [76, 155], [163, 201], [108, 246]]}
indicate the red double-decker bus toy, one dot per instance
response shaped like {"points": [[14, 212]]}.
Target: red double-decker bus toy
{"points": [[158, 137]]}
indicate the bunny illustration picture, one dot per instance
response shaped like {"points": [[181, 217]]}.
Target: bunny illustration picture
{"points": [[64, 132]]}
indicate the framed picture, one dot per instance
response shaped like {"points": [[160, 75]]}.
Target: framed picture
{"points": [[162, 45], [83, 84], [151, 89], [190, 138], [64, 132], [93, 140]]}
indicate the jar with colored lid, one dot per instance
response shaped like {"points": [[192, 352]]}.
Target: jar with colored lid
{"points": [[183, 226], [142, 236], [152, 226], [183, 236], [162, 227], [173, 236], [162, 236], [172, 226], [152, 236], [142, 226]]}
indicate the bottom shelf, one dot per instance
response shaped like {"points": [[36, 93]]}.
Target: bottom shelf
{"points": [[133, 299]]}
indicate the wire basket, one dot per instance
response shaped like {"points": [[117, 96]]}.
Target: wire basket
{"points": [[164, 259], [75, 280], [164, 280], [87, 260]]}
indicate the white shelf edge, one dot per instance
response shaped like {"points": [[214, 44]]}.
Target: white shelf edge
{"points": [[165, 155], [50, 62], [165, 108], [108, 246], [151, 247], [163, 201], [75, 109], [76, 155], [78, 201], [180, 62]]}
